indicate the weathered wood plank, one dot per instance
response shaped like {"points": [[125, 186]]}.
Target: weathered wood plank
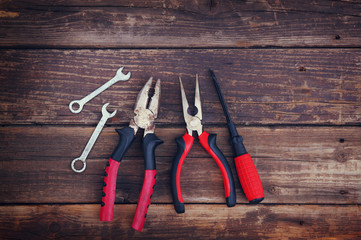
{"points": [[198, 222], [104, 24], [288, 86], [296, 165]]}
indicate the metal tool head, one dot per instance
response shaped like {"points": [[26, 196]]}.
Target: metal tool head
{"points": [[194, 123], [120, 76], [146, 113], [106, 113]]}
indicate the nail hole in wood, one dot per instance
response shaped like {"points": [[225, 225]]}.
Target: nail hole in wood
{"points": [[302, 222], [337, 37], [342, 192], [341, 140], [301, 69]]}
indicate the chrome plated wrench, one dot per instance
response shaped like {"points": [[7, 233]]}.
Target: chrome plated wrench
{"points": [[92, 139], [119, 76]]}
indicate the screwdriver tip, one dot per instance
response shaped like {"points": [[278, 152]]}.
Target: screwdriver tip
{"points": [[213, 76]]}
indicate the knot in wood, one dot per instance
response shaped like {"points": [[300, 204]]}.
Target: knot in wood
{"points": [[273, 190], [54, 227], [341, 157]]}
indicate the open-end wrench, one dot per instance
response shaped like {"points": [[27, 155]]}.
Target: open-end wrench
{"points": [[119, 76], [93, 138]]}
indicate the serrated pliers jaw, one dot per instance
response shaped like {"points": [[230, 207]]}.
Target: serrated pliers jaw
{"points": [[145, 113]]}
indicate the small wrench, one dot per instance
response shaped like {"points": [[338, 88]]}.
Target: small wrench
{"points": [[93, 138], [119, 76]]}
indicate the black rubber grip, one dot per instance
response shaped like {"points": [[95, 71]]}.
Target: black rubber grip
{"points": [[184, 144], [238, 147], [150, 142], [231, 199], [126, 138], [178, 206]]}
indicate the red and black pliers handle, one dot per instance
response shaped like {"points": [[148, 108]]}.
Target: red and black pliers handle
{"points": [[208, 142], [150, 142]]}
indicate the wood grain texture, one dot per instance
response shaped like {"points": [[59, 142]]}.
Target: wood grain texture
{"points": [[198, 222], [296, 165], [290, 73], [284, 86], [204, 23]]}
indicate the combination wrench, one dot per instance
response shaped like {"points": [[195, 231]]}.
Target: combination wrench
{"points": [[93, 138], [119, 76]]}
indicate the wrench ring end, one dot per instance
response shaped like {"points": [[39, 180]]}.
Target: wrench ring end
{"points": [[77, 110], [73, 165]]}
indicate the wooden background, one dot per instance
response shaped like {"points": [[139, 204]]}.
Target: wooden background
{"points": [[291, 75]]}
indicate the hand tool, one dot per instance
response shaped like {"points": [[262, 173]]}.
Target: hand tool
{"points": [[144, 118], [208, 142], [119, 76], [247, 172], [93, 139]]}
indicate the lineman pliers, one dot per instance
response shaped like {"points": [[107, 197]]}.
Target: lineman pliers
{"points": [[143, 118]]}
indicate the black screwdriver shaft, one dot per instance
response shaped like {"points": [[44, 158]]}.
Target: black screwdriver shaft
{"points": [[232, 128], [220, 95], [236, 139]]}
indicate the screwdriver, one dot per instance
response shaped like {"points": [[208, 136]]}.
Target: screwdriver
{"points": [[246, 170]]}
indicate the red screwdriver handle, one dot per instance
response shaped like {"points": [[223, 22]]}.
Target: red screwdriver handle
{"points": [[208, 141], [249, 178], [184, 144]]}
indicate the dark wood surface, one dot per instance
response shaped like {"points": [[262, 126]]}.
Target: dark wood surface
{"points": [[291, 75]]}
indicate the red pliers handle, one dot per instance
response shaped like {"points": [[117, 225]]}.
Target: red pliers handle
{"points": [[208, 142], [150, 142], [144, 118]]}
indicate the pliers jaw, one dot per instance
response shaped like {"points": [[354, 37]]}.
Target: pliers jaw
{"points": [[194, 123], [144, 117]]}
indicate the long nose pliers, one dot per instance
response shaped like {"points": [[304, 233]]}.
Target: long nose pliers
{"points": [[143, 118], [208, 142]]}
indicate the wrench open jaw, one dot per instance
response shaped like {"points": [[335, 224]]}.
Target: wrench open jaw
{"points": [[119, 76], [92, 139]]}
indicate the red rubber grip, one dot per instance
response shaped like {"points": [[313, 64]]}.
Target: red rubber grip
{"points": [[110, 181], [188, 140], [144, 200], [203, 139], [249, 178]]}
